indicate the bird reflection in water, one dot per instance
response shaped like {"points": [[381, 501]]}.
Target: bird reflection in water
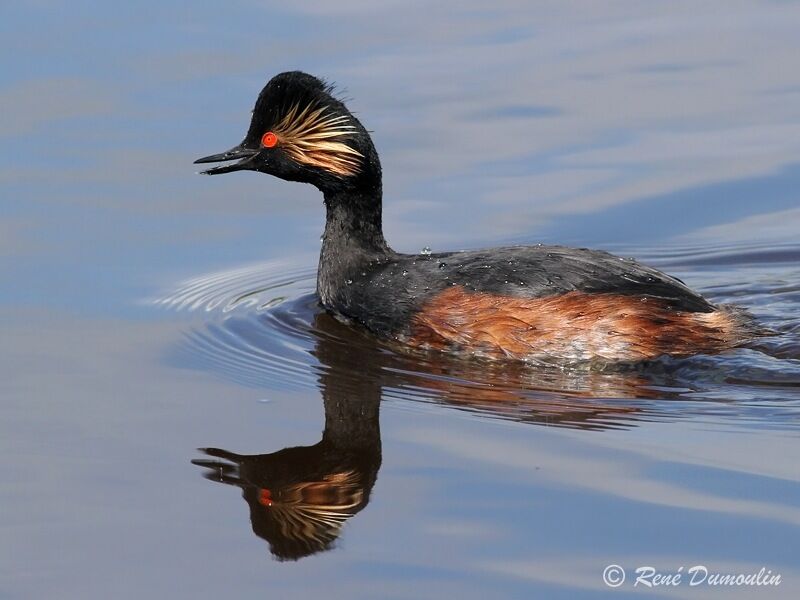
{"points": [[300, 497]]}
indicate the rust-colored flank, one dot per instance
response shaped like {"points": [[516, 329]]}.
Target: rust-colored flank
{"points": [[572, 326]]}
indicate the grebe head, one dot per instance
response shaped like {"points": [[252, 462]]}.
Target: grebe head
{"points": [[301, 132]]}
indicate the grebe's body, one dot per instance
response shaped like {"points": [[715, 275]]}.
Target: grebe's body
{"points": [[537, 303], [541, 303]]}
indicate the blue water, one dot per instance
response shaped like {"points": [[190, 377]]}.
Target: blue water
{"points": [[147, 313]]}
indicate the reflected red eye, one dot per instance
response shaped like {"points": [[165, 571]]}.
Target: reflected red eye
{"points": [[269, 139]]}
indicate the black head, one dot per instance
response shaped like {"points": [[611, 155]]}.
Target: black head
{"points": [[301, 132]]}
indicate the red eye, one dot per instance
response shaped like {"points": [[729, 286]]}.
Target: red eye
{"points": [[264, 497], [269, 139]]}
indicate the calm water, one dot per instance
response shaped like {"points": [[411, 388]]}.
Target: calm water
{"points": [[178, 417]]}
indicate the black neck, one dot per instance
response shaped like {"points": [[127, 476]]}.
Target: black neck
{"points": [[354, 217], [353, 236]]}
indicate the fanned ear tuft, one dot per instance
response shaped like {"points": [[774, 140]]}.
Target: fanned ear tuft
{"points": [[313, 136]]}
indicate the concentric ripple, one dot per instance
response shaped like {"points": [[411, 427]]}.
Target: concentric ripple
{"points": [[253, 286], [257, 324], [262, 327]]}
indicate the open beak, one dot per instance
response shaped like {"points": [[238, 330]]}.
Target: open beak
{"points": [[247, 156]]}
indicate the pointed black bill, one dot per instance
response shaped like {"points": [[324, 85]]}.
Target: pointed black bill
{"points": [[237, 152]]}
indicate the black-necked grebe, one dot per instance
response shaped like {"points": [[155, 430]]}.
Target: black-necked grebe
{"points": [[536, 303]]}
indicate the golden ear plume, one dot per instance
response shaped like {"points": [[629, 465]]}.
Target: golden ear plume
{"points": [[313, 137]]}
